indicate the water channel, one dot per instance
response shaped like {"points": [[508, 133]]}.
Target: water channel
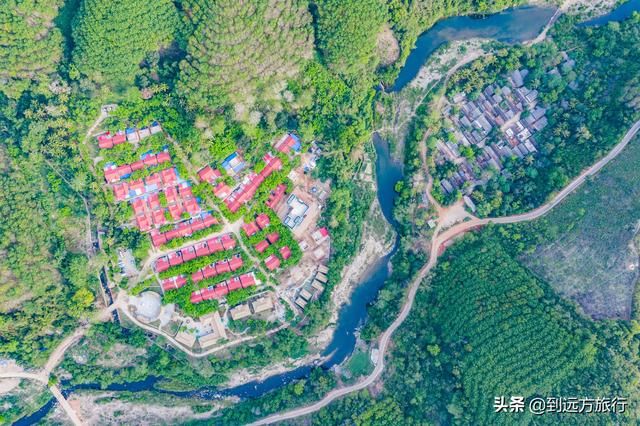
{"points": [[512, 26]]}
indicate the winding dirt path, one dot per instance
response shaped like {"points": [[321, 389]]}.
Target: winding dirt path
{"points": [[436, 244]]}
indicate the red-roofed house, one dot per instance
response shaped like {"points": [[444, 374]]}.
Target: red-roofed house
{"points": [[191, 205], [285, 252], [247, 280], [207, 174], [222, 267], [320, 235], [263, 220], [209, 220], [150, 160], [158, 218], [105, 141], [188, 254], [197, 276], [119, 138], [202, 249], [169, 176], [273, 237], [235, 263], [175, 211], [163, 157], [144, 222], [157, 238], [172, 195], [121, 191], [137, 165], [154, 179], [221, 190], [138, 206], [175, 258], [137, 186], [162, 264], [173, 283], [197, 224], [250, 228], [262, 246], [214, 245], [209, 271], [228, 242], [154, 201], [234, 284], [276, 196], [272, 262]]}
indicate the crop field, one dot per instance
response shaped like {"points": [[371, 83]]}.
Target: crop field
{"points": [[587, 251]]}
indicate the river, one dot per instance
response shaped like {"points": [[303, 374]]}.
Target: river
{"points": [[511, 26]]}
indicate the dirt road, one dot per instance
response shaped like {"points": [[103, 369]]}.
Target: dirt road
{"points": [[436, 243]]}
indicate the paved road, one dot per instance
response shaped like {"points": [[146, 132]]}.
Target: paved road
{"points": [[437, 242]]}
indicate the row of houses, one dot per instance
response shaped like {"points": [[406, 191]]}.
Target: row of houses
{"points": [[149, 212], [218, 291], [218, 268], [113, 173], [157, 181], [314, 288], [183, 229], [261, 222], [204, 248], [247, 188], [108, 140]]}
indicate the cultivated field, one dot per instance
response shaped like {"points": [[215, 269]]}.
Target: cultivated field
{"points": [[589, 253]]}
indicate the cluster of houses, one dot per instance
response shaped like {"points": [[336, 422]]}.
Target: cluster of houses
{"points": [[204, 248], [314, 288], [130, 134], [154, 182], [183, 229], [254, 307], [500, 123], [114, 173], [216, 268], [262, 222], [149, 212], [220, 290]]}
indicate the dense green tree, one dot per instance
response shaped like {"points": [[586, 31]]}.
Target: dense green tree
{"points": [[244, 52], [113, 37], [30, 44], [347, 32]]}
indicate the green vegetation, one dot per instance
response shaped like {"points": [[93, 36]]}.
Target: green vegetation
{"points": [[483, 327], [590, 107], [113, 37], [347, 33], [244, 51], [30, 45]]}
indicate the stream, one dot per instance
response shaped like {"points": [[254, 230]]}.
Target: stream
{"points": [[511, 26]]}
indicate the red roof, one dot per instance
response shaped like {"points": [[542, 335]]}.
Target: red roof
{"points": [[137, 186], [209, 271], [228, 242], [175, 258], [263, 220], [209, 220], [272, 262], [121, 191], [262, 246], [173, 283], [144, 222], [202, 249], [324, 232], [286, 144], [163, 157], [273, 237], [154, 201], [214, 245], [138, 206], [235, 263], [197, 224], [247, 280], [175, 211], [207, 174], [157, 238], [234, 284], [162, 264], [119, 138], [285, 252], [221, 190], [232, 205], [150, 160], [222, 267], [197, 276], [137, 165], [169, 176], [158, 217], [250, 228], [188, 253], [191, 205], [276, 196]]}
